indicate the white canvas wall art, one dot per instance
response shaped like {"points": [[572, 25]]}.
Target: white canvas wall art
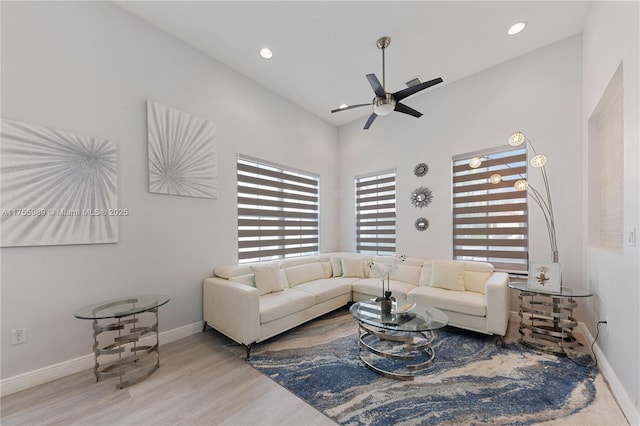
{"points": [[182, 153], [56, 187]]}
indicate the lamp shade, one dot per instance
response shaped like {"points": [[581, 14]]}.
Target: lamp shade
{"points": [[475, 162], [516, 139], [495, 178], [539, 160], [521, 185]]}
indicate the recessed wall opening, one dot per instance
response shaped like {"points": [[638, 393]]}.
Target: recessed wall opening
{"points": [[606, 168]]}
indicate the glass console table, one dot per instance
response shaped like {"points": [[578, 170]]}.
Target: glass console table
{"points": [[398, 343], [546, 317], [125, 332]]}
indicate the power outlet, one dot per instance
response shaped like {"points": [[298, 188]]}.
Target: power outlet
{"points": [[19, 335]]}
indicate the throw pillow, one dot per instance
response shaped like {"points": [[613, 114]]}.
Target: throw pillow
{"points": [[326, 267], [267, 278], [425, 275], [352, 267], [336, 266], [448, 275]]}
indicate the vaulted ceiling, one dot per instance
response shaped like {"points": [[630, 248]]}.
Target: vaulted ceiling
{"points": [[322, 50]]}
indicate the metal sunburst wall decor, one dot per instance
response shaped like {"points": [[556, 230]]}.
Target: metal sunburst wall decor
{"points": [[421, 170], [421, 197], [422, 224]]}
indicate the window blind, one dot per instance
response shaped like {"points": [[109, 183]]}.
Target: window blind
{"points": [[490, 221], [278, 211], [376, 213]]}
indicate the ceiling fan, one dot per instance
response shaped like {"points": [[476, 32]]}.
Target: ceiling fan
{"points": [[384, 102]]}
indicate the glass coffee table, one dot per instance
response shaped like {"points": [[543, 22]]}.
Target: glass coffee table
{"points": [[398, 343], [123, 317]]}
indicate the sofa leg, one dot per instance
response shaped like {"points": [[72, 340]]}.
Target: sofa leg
{"points": [[248, 350], [500, 341], [204, 327]]}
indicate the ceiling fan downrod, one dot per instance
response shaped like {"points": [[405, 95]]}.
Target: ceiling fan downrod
{"points": [[383, 43]]}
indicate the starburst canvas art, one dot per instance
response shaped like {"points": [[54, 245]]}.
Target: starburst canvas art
{"points": [[182, 153], [57, 187]]}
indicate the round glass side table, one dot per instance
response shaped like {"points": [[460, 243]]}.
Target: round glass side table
{"points": [[125, 333], [546, 317]]}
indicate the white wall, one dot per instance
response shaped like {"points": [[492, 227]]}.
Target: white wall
{"points": [[539, 94], [611, 37], [88, 68]]}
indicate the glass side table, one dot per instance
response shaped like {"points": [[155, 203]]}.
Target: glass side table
{"points": [[125, 332], [546, 317]]}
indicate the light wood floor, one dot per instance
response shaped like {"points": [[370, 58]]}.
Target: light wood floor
{"points": [[198, 383]]}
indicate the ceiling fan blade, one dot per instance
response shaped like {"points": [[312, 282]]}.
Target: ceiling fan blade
{"points": [[405, 93], [370, 120], [376, 86], [350, 107], [407, 110]]}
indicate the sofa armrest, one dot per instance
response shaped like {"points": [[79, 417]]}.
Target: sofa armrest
{"points": [[232, 308], [497, 299]]}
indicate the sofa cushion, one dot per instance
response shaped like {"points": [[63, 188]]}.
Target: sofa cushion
{"points": [[352, 267], [336, 265], [246, 279], [407, 273], [475, 281], [466, 302], [267, 278], [373, 287], [447, 274], [327, 289], [326, 267], [304, 273], [277, 305]]}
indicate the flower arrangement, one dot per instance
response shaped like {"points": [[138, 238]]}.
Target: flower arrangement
{"points": [[383, 270]]}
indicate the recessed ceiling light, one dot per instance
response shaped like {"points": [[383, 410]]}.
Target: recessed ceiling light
{"points": [[266, 53], [516, 28]]}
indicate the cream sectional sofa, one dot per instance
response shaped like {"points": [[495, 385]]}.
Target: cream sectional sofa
{"points": [[253, 302]]}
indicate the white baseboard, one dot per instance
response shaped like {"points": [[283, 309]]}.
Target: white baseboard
{"points": [[56, 371], [619, 393]]}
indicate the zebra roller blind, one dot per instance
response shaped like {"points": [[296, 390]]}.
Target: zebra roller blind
{"points": [[278, 211], [490, 221], [376, 213]]}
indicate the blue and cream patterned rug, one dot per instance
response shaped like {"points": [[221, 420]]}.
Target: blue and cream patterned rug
{"points": [[472, 381]]}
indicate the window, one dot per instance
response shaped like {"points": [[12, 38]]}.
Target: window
{"points": [[490, 220], [277, 211], [376, 213]]}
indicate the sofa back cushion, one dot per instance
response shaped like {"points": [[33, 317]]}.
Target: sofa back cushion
{"points": [[246, 279], [447, 274], [407, 273], [476, 275], [304, 273]]}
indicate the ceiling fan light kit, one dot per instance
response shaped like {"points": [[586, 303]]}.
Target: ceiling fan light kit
{"points": [[384, 102]]}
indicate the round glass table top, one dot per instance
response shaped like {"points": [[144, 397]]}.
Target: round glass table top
{"points": [[122, 307], [405, 316], [563, 292]]}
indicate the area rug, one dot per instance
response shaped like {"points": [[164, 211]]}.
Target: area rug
{"points": [[472, 380]]}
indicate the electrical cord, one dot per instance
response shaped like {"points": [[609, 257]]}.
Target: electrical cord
{"points": [[595, 358]]}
